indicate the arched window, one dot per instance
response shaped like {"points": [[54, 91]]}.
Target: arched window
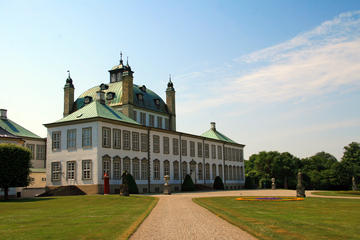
{"points": [[176, 170], [127, 166], [166, 168], [106, 164], [193, 168], [226, 172], [221, 172], [200, 171], [144, 169], [156, 166], [241, 173], [117, 167], [136, 169], [184, 169], [234, 173], [230, 173], [207, 171], [214, 171]]}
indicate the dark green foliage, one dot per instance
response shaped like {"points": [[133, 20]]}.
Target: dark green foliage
{"points": [[188, 184], [351, 163], [218, 183], [15, 166], [133, 189]]}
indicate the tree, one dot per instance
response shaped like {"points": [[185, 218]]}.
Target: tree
{"points": [[15, 167], [133, 189], [188, 184], [285, 168], [351, 161], [218, 183]]}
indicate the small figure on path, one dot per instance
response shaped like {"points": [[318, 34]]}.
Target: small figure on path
{"points": [[124, 187], [300, 189], [167, 188], [354, 186], [273, 186]]}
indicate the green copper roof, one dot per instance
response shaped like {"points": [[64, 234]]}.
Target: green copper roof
{"points": [[212, 133], [116, 87], [96, 109], [16, 129]]}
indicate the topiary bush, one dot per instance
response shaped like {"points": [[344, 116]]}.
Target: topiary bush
{"points": [[218, 183], [133, 189], [188, 184]]}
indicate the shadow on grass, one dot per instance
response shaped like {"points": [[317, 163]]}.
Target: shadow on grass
{"points": [[22, 200]]}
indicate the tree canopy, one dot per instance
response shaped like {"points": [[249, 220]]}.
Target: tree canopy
{"points": [[15, 167]]}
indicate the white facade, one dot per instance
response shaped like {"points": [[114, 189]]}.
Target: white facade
{"points": [[189, 160]]}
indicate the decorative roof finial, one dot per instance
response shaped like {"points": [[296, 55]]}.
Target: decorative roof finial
{"points": [[68, 73], [121, 60], [127, 61], [170, 77]]}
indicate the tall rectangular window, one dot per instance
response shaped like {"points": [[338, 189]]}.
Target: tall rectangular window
{"points": [[176, 170], [116, 138], [56, 140], [106, 137], [135, 141], [127, 165], [136, 169], [221, 172], [183, 147], [55, 171], [151, 120], [159, 122], [213, 151], [40, 152], [135, 115], [166, 145], [144, 169], [117, 168], [200, 149], [142, 118], [206, 150], [144, 142], [71, 138], [126, 140], [31, 147], [192, 149], [70, 170], [106, 164], [156, 144], [175, 146], [156, 166], [219, 152], [86, 169], [86, 137]]}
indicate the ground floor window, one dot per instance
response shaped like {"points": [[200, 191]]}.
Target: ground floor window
{"points": [[166, 168], [144, 169], [127, 166], [86, 169], [184, 169], [213, 171], [207, 171], [117, 167], [200, 171], [70, 170], [221, 171], [55, 171], [136, 170], [156, 165], [176, 170], [106, 165]]}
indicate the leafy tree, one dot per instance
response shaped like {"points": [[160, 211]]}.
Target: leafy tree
{"points": [[15, 167], [351, 162], [285, 168]]}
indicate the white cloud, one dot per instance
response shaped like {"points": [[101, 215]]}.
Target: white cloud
{"points": [[323, 60]]}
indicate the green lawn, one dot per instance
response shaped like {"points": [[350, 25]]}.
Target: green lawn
{"points": [[73, 217], [313, 218], [338, 193]]}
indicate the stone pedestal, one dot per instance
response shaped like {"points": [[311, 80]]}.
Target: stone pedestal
{"points": [[273, 186], [167, 188], [300, 189]]}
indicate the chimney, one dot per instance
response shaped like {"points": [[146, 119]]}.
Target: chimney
{"points": [[212, 124], [3, 114], [100, 96]]}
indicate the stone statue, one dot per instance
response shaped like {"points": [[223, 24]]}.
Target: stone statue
{"points": [[167, 188], [273, 186], [300, 189], [354, 186], [124, 187]]}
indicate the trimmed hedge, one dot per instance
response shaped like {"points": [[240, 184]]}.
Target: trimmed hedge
{"points": [[218, 183], [188, 184], [133, 189]]}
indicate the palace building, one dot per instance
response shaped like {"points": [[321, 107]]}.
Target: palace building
{"points": [[119, 126]]}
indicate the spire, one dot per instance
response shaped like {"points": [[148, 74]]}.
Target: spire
{"points": [[68, 74], [127, 61], [121, 60], [170, 85], [69, 82]]}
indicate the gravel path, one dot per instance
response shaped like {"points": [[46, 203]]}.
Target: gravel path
{"points": [[178, 217]]}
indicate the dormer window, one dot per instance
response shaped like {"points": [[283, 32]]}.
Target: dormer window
{"points": [[87, 99], [104, 86], [110, 96], [140, 97], [157, 102], [143, 88]]}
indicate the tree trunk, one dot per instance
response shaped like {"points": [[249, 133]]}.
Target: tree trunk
{"points": [[285, 182], [6, 193]]}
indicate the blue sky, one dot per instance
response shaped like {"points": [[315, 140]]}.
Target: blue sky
{"points": [[274, 75]]}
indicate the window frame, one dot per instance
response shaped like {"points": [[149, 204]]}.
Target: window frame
{"points": [[84, 139], [106, 137], [56, 140], [71, 141]]}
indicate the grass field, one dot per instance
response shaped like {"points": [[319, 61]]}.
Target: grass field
{"points": [[338, 193], [73, 217], [313, 218]]}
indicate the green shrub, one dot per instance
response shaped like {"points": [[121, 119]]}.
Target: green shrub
{"points": [[218, 183], [188, 184], [133, 189]]}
